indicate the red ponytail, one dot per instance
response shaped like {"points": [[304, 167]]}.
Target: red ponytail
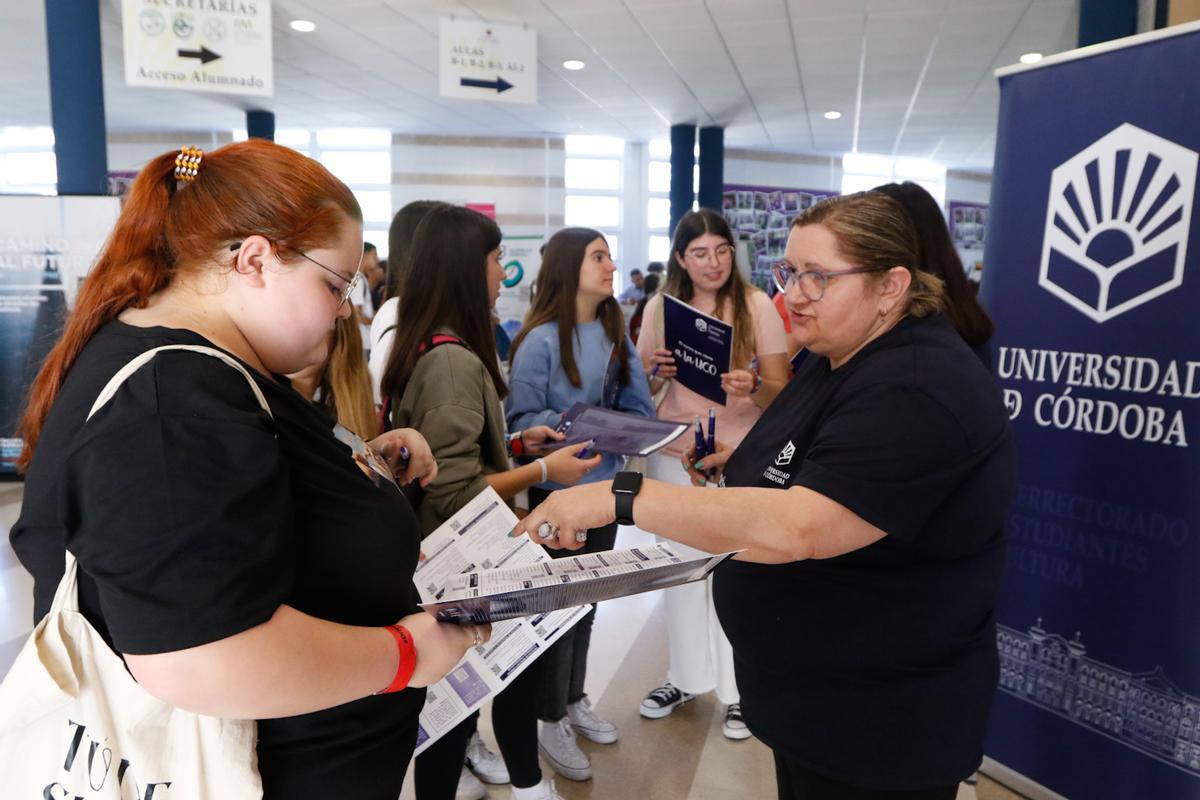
{"points": [[252, 187]]}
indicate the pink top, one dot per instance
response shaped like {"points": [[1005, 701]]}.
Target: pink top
{"points": [[735, 419]]}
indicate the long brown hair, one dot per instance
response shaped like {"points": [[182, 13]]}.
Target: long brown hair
{"points": [[558, 284], [165, 228], [345, 383], [735, 291], [445, 287], [936, 255]]}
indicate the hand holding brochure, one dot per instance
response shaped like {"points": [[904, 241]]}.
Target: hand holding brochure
{"points": [[501, 594], [616, 432], [702, 346]]}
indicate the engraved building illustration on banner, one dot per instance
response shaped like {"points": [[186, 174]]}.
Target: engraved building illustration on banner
{"points": [[1144, 711]]}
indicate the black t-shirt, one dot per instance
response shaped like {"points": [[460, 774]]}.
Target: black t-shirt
{"points": [[194, 515], [878, 667]]}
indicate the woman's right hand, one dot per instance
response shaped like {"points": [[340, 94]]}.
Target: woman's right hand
{"points": [[662, 364], [536, 438], [708, 469], [563, 466], [440, 645]]}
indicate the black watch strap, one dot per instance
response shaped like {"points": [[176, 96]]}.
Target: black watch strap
{"points": [[625, 487], [625, 507]]}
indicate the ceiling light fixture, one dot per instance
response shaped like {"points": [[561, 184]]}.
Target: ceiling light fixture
{"points": [[833, 115], [1031, 58], [303, 25], [573, 64]]}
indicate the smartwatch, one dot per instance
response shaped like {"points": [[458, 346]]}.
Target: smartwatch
{"points": [[625, 487]]}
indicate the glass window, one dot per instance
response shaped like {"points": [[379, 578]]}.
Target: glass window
{"points": [[860, 183], [376, 205], [593, 211], [660, 248], [595, 145], [379, 239], [293, 137], [16, 136], [660, 176], [614, 245], [593, 173], [32, 168], [359, 166], [658, 212], [661, 148], [354, 137]]}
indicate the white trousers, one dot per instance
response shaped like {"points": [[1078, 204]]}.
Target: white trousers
{"points": [[701, 658]]}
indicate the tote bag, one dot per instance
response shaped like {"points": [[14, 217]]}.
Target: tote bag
{"points": [[75, 724]]}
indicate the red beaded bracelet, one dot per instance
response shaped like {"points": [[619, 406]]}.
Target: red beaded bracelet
{"points": [[408, 658], [516, 445]]}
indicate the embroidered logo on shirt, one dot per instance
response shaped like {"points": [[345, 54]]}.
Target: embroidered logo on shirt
{"points": [[785, 455]]}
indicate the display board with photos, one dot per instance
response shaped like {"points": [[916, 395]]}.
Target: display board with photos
{"points": [[968, 229], [762, 217]]}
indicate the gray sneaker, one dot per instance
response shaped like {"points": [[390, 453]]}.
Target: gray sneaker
{"points": [[590, 725], [556, 743], [662, 701], [489, 767]]}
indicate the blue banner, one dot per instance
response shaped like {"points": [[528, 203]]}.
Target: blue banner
{"points": [[702, 346], [1093, 280]]}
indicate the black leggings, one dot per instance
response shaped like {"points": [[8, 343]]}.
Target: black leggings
{"points": [[514, 720], [565, 664], [797, 782]]}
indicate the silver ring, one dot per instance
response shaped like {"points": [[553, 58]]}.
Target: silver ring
{"points": [[478, 639], [581, 536], [545, 530]]}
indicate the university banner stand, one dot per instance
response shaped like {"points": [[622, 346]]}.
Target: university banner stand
{"points": [[1093, 279]]}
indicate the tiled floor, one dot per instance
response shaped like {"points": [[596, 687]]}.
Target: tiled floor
{"points": [[682, 757]]}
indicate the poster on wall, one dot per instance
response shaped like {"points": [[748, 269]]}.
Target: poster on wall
{"points": [[968, 229], [762, 216], [47, 245], [1093, 281], [522, 257]]}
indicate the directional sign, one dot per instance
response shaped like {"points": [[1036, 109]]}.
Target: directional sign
{"points": [[480, 61], [199, 46]]}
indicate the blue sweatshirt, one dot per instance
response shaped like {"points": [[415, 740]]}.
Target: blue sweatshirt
{"points": [[540, 392]]}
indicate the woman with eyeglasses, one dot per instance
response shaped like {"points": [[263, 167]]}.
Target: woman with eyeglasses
{"points": [[702, 272], [444, 379], [573, 349], [230, 548], [869, 502]]}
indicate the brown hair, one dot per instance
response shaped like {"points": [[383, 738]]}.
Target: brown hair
{"points": [[558, 284], [873, 231], [936, 255], [446, 289], [344, 381], [165, 228], [735, 291]]}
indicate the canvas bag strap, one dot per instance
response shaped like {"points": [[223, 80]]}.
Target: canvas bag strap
{"points": [[66, 596]]}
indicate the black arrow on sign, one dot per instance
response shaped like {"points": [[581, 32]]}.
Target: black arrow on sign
{"points": [[500, 85], [204, 54]]}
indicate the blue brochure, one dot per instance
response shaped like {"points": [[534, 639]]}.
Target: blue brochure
{"points": [[702, 345], [616, 432]]}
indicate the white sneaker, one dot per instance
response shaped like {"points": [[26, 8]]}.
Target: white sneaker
{"points": [[662, 701], [489, 767], [556, 743], [469, 787], [735, 726], [543, 791], [588, 724]]}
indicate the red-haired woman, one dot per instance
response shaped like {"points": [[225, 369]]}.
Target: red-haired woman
{"points": [[241, 562]]}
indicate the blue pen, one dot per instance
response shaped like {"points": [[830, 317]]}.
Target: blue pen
{"points": [[712, 436], [701, 452], [404, 454], [587, 451]]}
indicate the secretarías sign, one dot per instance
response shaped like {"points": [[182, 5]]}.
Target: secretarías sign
{"points": [[480, 61], [199, 45]]}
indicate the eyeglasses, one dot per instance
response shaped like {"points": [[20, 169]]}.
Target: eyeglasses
{"points": [[343, 295], [722, 252], [812, 283]]}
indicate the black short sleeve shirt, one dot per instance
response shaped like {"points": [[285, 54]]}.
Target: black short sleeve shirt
{"points": [[877, 667], [194, 515]]}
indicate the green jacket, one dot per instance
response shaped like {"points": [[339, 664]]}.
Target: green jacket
{"points": [[453, 403]]}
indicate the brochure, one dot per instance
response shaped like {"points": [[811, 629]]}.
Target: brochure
{"points": [[702, 346], [616, 432], [516, 591], [477, 538]]}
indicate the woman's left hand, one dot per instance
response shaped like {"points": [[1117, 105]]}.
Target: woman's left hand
{"points": [[563, 520], [535, 438], [738, 382], [420, 464]]}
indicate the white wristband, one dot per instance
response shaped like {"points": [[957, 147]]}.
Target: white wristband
{"points": [[541, 462]]}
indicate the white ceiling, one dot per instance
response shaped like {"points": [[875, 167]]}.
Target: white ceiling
{"points": [[911, 77]]}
